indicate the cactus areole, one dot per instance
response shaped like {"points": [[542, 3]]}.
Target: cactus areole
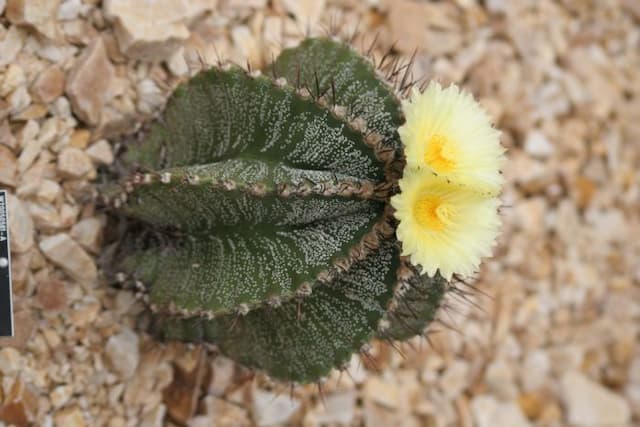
{"points": [[270, 193]]}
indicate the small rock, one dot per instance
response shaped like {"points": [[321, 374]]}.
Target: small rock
{"points": [[21, 228], [80, 138], [155, 417], [88, 232], [74, 163], [63, 251], [532, 404], [6, 136], [10, 361], [306, 12], [535, 370], [20, 405], [60, 395], [11, 45], [122, 351], [49, 84], [85, 313], [69, 417], [221, 375], [51, 295], [150, 96], [8, 167], [181, 397], [100, 152], [338, 408], [489, 412], [89, 83], [271, 409], [69, 9], [383, 393], [538, 145], [153, 30], [39, 15], [48, 191], [499, 379], [13, 78], [455, 379], [589, 403]]}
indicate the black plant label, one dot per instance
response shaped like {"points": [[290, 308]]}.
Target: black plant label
{"points": [[6, 309]]}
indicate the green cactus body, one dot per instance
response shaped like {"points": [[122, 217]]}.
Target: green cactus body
{"points": [[272, 195]]}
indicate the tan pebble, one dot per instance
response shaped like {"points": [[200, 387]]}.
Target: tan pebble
{"points": [[165, 30], [88, 232], [49, 84], [74, 163], [382, 392], [8, 167], [531, 404], [48, 191], [21, 226], [80, 138], [20, 404], [100, 152], [63, 251], [39, 15], [69, 417], [122, 352], [85, 312], [89, 83], [6, 136], [60, 395], [51, 295], [34, 111]]}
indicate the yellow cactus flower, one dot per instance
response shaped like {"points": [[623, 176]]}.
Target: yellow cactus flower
{"points": [[444, 225], [448, 133]]}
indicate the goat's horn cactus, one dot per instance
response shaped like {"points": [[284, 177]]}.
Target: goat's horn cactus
{"points": [[269, 200]]}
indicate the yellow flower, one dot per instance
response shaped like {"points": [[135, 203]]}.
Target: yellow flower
{"points": [[448, 133], [444, 225]]}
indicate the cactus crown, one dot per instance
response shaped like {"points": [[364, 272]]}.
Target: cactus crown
{"points": [[270, 194]]}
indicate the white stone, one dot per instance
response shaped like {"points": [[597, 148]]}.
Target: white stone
{"points": [[21, 227], [61, 395], [590, 403], [153, 30], [10, 361], [69, 9], [123, 353], [499, 378], [535, 370], [100, 152], [271, 409], [11, 45], [338, 408], [74, 163], [63, 251], [455, 379], [88, 232], [489, 412], [3, 3], [538, 145], [48, 191], [306, 12], [90, 82], [37, 14]]}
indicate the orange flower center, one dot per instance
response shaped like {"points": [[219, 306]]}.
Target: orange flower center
{"points": [[440, 154], [432, 213]]}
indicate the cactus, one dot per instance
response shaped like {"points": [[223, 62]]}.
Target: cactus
{"points": [[266, 223]]}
